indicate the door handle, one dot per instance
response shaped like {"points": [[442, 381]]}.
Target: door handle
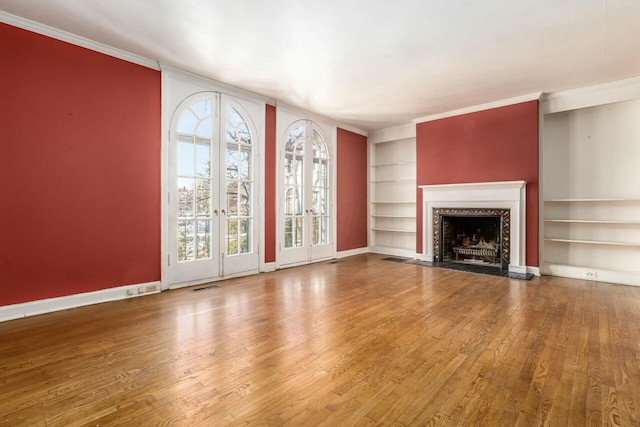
{"points": [[223, 212], [215, 211]]}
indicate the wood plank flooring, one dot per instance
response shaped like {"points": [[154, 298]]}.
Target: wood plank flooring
{"points": [[363, 341]]}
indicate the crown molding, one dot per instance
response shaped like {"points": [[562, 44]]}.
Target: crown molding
{"points": [[281, 105], [395, 133], [481, 107], [77, 40], [211, 84], [353, 129], [591, 96]]}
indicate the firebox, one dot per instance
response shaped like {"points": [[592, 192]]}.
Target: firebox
{"points": [[472, 236]]}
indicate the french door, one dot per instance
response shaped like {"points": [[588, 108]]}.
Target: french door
{"points": [[212, 190], [306, 218]]}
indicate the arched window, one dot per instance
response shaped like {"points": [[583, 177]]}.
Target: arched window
{"points": [[305, 173]]}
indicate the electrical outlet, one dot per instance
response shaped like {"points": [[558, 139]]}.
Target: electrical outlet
{"points": [[590, 274], [131, 292], [141, 290]]}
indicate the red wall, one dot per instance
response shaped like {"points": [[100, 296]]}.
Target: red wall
{"points": [[79, 169], [500, 144], [352, 191], [270, 185]]}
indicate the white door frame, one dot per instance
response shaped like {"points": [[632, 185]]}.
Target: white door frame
{"points": [[178, 85], [285, 117]]}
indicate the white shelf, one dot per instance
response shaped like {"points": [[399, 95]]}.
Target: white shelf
{"points": [[590, 227], [592, 242], [392, 189], [593, 221], [589, 200], [391, 202], [387, 181], [393, 164], [555, 264], [394, 216], [393, 230]]}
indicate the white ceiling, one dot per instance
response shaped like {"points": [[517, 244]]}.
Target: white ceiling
{"points": [[368, 63]]}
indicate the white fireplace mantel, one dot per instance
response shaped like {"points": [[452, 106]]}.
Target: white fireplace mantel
{"points": [[483, 195]]}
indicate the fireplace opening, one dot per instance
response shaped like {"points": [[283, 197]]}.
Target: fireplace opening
{"points": [[469, 239], [472, 237]]}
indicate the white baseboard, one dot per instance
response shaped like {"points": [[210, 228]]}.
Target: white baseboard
{"points": [[520, 269], [49, 305], [351, 252], [423, 257], [407, 253], [592, 274], [268, 267], [212, 279], [533, 270]]}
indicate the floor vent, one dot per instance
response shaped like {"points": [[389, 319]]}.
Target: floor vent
{"points": [[204, 288]]}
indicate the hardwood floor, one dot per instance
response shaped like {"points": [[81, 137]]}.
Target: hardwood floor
{"points": [[359, 342]]}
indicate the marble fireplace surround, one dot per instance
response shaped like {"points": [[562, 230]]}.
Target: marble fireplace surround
{"points": [[480, 195]]}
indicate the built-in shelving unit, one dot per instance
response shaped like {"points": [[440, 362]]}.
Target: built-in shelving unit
{"points": [[591, 203], [593, 238], [392, 192]]}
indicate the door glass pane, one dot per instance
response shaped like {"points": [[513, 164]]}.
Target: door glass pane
{"points": [[245, 163], [293, 201], [298, 240], [293, 237], [245, 236], [203, 158], [203, 198], [232, 198], [324, 231], [186, 156], [202, 109], [186, 248], [295, 141], [320, 178], [318, 202], [205, 128], [188, 123], [288, 232], [316, 230], [324, 209], [185, 197], [232, 236], [204, 239], [233, 161], [320, 230], [244, 198], [294, 169], [237, 130], [319, 147]]}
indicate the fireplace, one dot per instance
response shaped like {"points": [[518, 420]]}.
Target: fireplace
{"points": [[504, 200], [472, 236]]}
